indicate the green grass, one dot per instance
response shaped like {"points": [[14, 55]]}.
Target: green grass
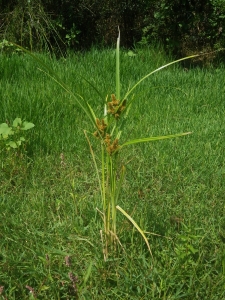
{"points": [[48, 198]]}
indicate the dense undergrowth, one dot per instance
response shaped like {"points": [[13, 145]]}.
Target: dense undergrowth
{"points": [[50, 244]]}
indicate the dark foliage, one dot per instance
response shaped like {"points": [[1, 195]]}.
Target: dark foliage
{"points": [[183, 26], [187, 26]]}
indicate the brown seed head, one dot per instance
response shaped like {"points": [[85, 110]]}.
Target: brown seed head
{"points": [[107, 139], [101, 125], [111, 148], [115, 108]]}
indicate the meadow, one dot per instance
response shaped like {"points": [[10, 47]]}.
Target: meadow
{"points": [[50, 242]]}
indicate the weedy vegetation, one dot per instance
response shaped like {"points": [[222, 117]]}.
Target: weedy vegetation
{"points": [[10, 136], [168, 243]]}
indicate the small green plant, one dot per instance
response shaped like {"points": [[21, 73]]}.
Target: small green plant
{"points": [[13, 154], [71, 36], [8, 47], [12, 136], [108, 129]]}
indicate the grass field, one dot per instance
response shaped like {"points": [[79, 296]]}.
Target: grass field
{"points": [[50, 243]]}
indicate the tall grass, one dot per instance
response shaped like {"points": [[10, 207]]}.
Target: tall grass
{"points": [[30, 26], [175, 188], [108, 130]]}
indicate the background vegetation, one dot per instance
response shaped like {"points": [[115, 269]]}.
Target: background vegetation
{"points": [[182, 26], [50, 244]]}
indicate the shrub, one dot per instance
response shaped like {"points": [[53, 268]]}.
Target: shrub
{"points": [[186, 27], [182, 26]]}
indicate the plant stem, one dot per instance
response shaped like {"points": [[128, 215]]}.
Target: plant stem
{"points": [[118, 67]]}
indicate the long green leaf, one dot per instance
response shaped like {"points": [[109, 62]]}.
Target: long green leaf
{"points": [[83, 104], [94, 88], [120, 182], [94, 161], [151, 139], [118, 67], [92, 115], [162, 67], [136, 226], [50, 73]]}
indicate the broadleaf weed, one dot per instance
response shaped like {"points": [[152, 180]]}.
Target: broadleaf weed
{"points": [[11, 136], [12, 149]]}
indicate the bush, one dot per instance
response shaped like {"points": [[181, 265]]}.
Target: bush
{"points": [[182, 26], [76, 23], [187, 26]]}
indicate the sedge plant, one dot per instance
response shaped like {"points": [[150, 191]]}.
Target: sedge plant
{"points": [[108, 130]]}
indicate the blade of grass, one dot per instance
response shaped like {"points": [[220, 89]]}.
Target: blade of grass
{"points": [[118, 66], [136, 226], [94, 160], [150, 139], [160, 68]]}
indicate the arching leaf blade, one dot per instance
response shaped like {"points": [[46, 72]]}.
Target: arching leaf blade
{"points": [[151, 139]]}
